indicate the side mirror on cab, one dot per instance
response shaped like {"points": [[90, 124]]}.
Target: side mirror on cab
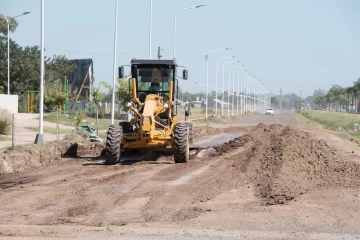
{"points": [[185, 74], [121, 72]]}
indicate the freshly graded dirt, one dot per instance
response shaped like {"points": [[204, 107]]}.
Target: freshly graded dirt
{"points": [[274, 178]]}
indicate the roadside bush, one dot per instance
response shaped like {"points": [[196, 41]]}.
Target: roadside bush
{"points": [[5, 122], [101, 114], [79, 117]]}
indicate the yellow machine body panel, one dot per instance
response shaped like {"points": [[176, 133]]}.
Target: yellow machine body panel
{"points": [[150, 132]]}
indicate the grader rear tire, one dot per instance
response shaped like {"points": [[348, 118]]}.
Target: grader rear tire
{"points": [[181, 143], [113, 140]]}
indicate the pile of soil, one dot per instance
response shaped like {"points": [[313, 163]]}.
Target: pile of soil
{"points": [[204, 131], [35, 156], [284, 162], [207, 130]]}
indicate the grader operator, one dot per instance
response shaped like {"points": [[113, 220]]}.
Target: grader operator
{"points": [[152, 110]]}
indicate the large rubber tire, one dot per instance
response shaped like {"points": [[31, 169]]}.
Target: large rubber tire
{"points": [[191, 132], [181, 143], [113, 141]]}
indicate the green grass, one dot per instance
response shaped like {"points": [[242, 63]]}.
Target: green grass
{"points": [[70, 121], [50, 130], [332, 120], [339, 122], [103, 135]]}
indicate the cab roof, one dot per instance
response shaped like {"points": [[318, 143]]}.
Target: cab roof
{"points": [[150, 62]]}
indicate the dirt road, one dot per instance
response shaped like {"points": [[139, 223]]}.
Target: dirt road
{"points": [[276, 182]]}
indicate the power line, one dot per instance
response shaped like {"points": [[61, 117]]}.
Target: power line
{"points": [[185, 56], [99, 53]]}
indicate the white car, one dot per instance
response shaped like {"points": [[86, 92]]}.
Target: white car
{"points": [[269, 111]]}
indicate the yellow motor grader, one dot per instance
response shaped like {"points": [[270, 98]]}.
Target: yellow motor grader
{"points": [[152, 125]]}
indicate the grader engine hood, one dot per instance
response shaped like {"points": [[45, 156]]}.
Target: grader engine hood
{"points": [[153, 106]]}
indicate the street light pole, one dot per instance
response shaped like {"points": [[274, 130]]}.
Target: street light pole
{"points": [[150, 29], [207, 77], [179, 10], [238, 92], [8, 48], [217, 70], [114, 65], [223, 86], [229, 87], [40, 136], [247, 94]]}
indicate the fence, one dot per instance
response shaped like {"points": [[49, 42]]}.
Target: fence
{"points": [[23, 130], [89, 107]]}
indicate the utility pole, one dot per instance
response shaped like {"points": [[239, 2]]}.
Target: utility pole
{"points": [[159, 53], [300, 101], [281, 99]]}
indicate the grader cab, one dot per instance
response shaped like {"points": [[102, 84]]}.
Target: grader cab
{"points": [[152, 125]]}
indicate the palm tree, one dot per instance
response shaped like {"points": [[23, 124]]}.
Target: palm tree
{"points": [[356, 90], [349, 93]]}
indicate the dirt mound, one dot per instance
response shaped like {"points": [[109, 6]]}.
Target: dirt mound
{"points": [[204, 131], [34, 156], [207, 130], [284, 162]]}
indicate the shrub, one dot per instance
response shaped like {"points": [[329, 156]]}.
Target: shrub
{"points": [[5, 122], [79, 116], [101, 114]]}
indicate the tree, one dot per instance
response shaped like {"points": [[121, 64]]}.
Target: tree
{"points": [[25, 68], [97, 96], [3, 24], [55, 96], [124, 92], [275, 102], [57, 68]]}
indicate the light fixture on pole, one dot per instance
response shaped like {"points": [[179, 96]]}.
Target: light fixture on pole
{"points": [[223, 86], [202, 84], [179, 10], [217, 70], [8, 47], [114, 65], [39, 139], [207, 75]]}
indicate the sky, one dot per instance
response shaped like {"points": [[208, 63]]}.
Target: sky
{"points": [[294, 45]]}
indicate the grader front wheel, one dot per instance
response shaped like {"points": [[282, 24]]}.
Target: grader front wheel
{"points": [[181, 143], [113, 140]]}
